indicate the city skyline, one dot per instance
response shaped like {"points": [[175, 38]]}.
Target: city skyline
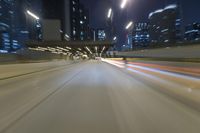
{"points": [[138, 11], [81, 19]]}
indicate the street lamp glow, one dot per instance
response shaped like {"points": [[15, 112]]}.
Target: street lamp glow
{"points": [[123, 4], [96, 49], [67, 36], [103, 49], [109, 13], [33, 15], [129, 25], [69, 48], [88, 50]]}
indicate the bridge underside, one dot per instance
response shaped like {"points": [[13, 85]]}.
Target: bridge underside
{"points": [[71, 47]]}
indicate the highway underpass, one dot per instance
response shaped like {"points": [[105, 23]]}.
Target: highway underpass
{"points": [[71, 47], [100, 97]]}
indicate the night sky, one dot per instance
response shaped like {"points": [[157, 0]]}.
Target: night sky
{"points": [[136, 11]]}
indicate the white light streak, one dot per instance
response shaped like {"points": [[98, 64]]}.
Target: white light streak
{"points": [[88, 50], [33, 15], [129, 25], [123, 4], [109, 13]]}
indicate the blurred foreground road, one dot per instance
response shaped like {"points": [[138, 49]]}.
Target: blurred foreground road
{"points": [[100, 97]]}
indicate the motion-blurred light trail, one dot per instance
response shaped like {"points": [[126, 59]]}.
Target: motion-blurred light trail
{"points": [[155, 70], [185, 70], [115, 63], [165, 72]]}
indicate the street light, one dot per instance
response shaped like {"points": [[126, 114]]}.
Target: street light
{"points": [[109, 13], [33, 15], [88, 50], [115, 38], [67, 37], [69, 48], [123, 4], [129, 25], [96, 49], [102, 51]]}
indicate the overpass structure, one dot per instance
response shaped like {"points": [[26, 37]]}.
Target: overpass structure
{"points": [[71, 47]]}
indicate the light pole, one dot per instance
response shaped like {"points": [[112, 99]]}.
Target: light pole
{"points": [[110, 23], [32, 15], [124, 4], [129, 28], [37, 24]]}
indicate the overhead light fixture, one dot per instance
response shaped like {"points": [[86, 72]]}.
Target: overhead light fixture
{"points": [[33, 15], [69, 48], [109, 13], [123, 4], [129, 25]]}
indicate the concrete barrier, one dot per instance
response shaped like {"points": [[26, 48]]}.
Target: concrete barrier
{"points": [[15, 70], [29, 56], [8, 57], [192, 51]]}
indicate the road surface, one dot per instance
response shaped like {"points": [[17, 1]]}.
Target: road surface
{"points": [[97, 97]]}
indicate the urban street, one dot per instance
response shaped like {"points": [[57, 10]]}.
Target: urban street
{"points": [[95, 97], [99, 66]]}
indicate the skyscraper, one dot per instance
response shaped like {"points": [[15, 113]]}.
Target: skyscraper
{"points": [[27, 24], [84, 23], [165, 24], [16, 26], [73, 15], [140, 35], [6, 24]]}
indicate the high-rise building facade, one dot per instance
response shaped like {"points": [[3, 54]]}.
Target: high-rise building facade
{"points": [[84, 23], [6, 24], [79, 21], [16, 26], [73, 15], [140, 35], [165, 25], [33, 26], [192, 32], [75, 19]]}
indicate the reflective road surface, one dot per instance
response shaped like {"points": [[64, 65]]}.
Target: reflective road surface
{"points": [[100, 97]]}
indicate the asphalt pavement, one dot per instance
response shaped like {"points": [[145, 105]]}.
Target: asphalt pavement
{"points": [[100, 97]]}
